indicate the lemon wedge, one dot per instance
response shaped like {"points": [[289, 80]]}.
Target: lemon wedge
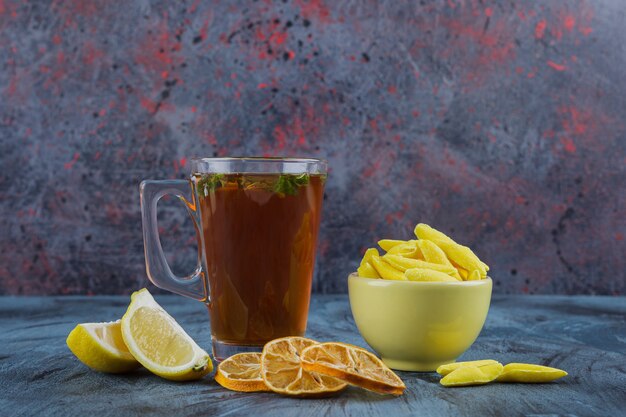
{"points": [[158, 342], [100, 346]]}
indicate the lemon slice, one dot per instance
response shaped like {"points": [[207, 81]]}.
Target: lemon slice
{"points": [[351, 364], [100, 346], [282, 372], [241, 372], [159, 343]]}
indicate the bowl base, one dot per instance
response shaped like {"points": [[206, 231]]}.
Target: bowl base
{"points": [[402, 365]]}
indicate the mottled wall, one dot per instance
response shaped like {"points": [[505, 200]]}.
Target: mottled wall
{"points": [[501, 122]]}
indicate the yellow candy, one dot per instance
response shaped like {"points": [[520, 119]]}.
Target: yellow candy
{"points": [[472, 375], [408, 249], [417, 274], [401, 263], [366, 270], [462, 256], [387, 271], [525, 372], [433, 253], [463, 273], [387, 244], [444, 370], [371, 252], [474, 275], [429, 258], [424, 231]]}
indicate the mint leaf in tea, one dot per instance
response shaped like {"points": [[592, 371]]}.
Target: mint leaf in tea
{"points": [[289, 184], [210, 182]]}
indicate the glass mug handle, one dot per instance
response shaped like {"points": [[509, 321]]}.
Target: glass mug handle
{"points": [[159, 272]]}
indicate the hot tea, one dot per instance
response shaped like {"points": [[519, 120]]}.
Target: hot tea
{"points": [[259, 236]]}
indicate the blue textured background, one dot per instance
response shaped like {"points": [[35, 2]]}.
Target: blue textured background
{"points": [[502, 123]]}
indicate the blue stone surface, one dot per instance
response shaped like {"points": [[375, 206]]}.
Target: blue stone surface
{"points": [[586, 336]]}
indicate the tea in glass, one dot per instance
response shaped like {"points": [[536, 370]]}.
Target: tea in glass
{"points": [[259, 236]]}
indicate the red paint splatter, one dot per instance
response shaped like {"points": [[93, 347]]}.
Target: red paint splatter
{"points": [[569, 23], [548, 134], [56, 39], [281, 137], [371, 169], [159, 52], [392, 89], [397, 215], [575, 121], [211, 139], [484, 50], [278, 38], [91, 53], [540, 29], [568, 145], [262, 86], [259, 35], [69, 10], [314, 9], [374, 125], [69, 165], [204, 30], [298, 131], [557, 67], [488, 12], [148, 104]]}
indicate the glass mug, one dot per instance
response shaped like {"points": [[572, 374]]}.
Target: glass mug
{"points": [[256, 221]]}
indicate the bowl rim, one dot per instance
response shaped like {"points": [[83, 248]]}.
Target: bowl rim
{"points": [[378, 282]]}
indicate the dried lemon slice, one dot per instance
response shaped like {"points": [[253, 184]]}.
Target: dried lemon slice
{"points": [[241, 372], [352, 364], [282, 372]]}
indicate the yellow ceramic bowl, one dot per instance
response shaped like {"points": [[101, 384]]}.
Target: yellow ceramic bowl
{"points": [[417, 326]]}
